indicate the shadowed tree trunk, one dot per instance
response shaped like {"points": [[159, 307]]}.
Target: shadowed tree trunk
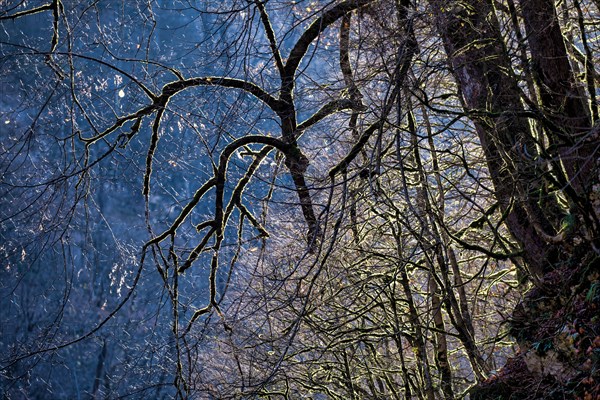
{"points": [[479, 62], [567, 118]]}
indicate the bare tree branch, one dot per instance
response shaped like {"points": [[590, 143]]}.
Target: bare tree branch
{"points": [[264, 17]]}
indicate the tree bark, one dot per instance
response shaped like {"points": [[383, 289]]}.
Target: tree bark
{"points": [[568, 120], [441, 345], [482, 69]]}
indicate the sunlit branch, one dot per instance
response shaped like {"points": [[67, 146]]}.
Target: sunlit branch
{"points": [[119, 123], [264, 17], [315, 29], [150, 155], [42, 8], [222, 169], [244, 210], [346, 69], [172, 70], [217, 225], [56, 7], [588, 64], [171, 89], [345, 55], [177, 86], [236, 197], [132, 78], [185, 212], [195, 253], [329, 109], [343, 165]]}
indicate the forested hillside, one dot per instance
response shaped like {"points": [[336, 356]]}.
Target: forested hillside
{"points": [[273, 199]]}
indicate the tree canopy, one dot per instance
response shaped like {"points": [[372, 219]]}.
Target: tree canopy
{"points": [[348, 199]]}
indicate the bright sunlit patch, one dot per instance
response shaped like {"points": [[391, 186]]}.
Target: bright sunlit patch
{"points": [[121, 93]]}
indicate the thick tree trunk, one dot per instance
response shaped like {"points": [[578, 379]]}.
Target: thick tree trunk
{"points": [[481, 66], [567, 116]]}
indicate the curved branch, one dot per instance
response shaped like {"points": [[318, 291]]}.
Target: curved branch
{"points": [[171, 89], [328, 109], [342, 166], [315, 29], [119, 123], [222, 169], [175, 87], [185, 212], [236, 196]]}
